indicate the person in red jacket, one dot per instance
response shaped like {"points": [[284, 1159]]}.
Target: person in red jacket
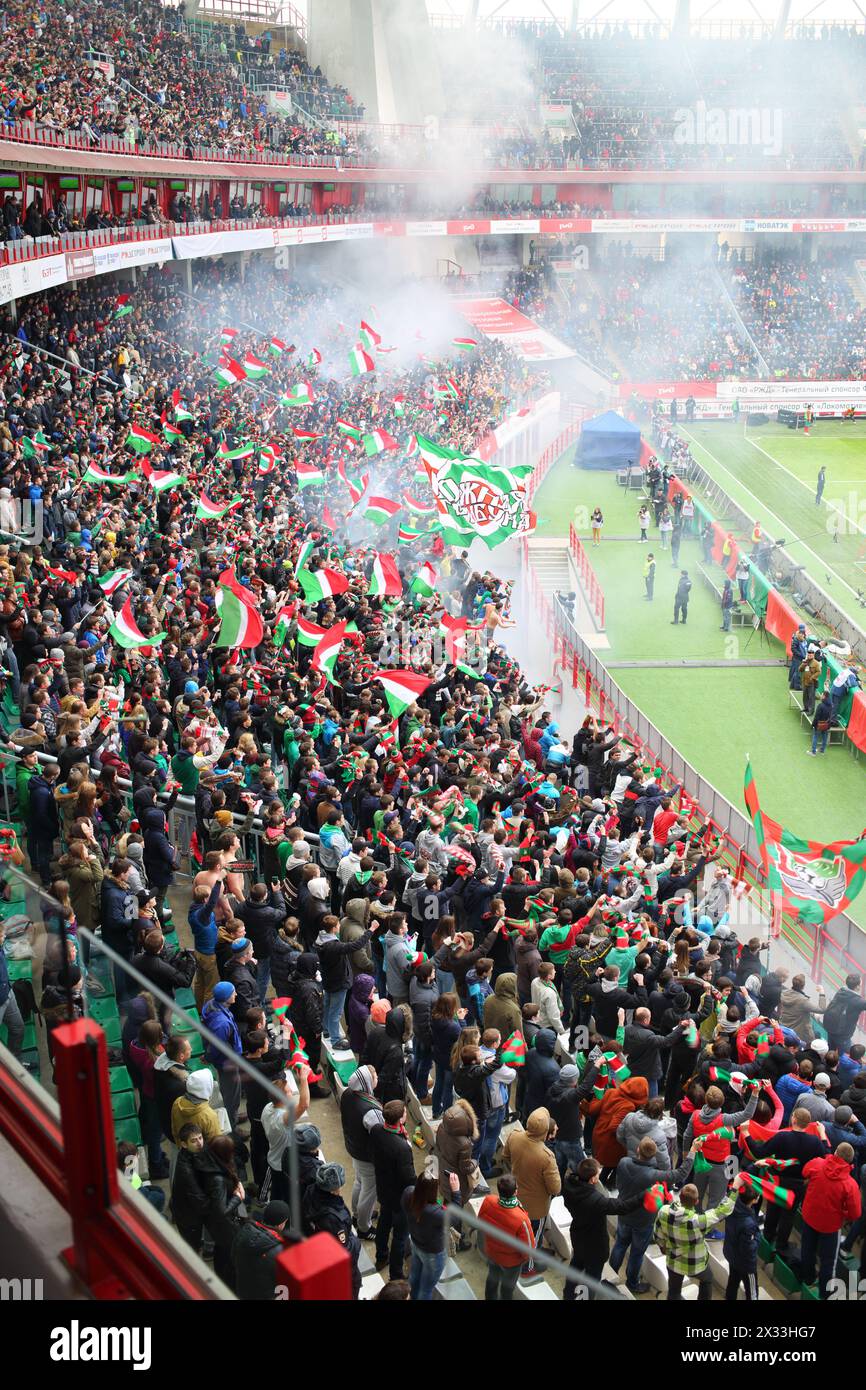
{"points": [[503, 1209], [832, 1198]]}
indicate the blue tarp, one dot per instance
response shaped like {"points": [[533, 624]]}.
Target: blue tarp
{"points": [[608, 441]]}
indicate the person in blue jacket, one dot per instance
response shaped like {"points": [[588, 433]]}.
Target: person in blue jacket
{"points": [[217, 1016], [203, 925], [742, 1234]]}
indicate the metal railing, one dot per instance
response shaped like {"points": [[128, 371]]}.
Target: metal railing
{"points": [[591, 586]]}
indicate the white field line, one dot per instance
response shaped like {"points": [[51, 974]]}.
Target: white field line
{"points": [[840, 511], [766, 510]]}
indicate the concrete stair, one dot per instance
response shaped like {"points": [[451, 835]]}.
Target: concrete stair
{"points": [[549, 558]]}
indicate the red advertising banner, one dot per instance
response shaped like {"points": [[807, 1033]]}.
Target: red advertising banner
{"points": [[856, 727], [666, 390], [496, 318], [781, 621]]}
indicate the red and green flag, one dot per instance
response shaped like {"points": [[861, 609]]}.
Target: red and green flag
{"points": [[322, 583], [314, 358], [126, 632], [465, 344], [379, 510], [308, 475], [254, 367], [141, 441], [402, 688], [379, 442], [161, 479], [328, 650], [243, 451], [300, 395], [347, 428], [94, 474], [360, 362], [229, 373], [112, 581], [34, 445], [214, 511], [424, 582], [227, 337], [276, 347], [368, 337], [310, 634], [122, 306], [809, 879], [385, 581], [240, 623], [406, 535], [780, 1196]]}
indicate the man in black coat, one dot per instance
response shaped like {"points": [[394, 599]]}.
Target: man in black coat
{"points": [[189, 1202], [255, 1250], [241, 974], [336, 970], [608, 998], [395, 1171], [589, 1207], [541, 1071], [263, 913], [643, 1048]]}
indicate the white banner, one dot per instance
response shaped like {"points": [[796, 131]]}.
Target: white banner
{"points": [[426, 228], [788, 393], [127, 253]]}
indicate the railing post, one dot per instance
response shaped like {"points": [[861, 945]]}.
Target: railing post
{"points": [[81, 1070]]}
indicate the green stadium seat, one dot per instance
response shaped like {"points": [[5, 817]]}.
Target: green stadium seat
{"points": [[103, 1010], [785, 1276], [185, 1022], [128, 1131], [171, 940], [185, 999], [123, 1106], [111, 1029], [119, 1080], [766, 1251]]}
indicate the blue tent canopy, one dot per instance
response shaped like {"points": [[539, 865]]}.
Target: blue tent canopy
{"points": [[608, 441]]}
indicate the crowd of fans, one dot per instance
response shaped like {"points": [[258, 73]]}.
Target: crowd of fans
{"points": [[496, 916], [803, 315], [131, 69]]}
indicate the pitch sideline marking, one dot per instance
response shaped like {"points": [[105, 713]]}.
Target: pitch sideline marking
{"points": [[840, 511], [784, 525]]}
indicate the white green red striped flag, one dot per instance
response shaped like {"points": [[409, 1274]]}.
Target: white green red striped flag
{"points": [[322, 583], [243, 451], [227, 336], [411, 503], [304, 555], [254, 367], [126, 632], [141, 441], [314, 358], [114, 580], [283, 623], [378, 442], [407, 534], [309, 634], [214, 511], [302, 394], [402, 689], [357, 486], [37, 444], [347, 428], [424, 582], [122, 307], [240, 623], [305, 434], [170, 432], [465, 344], [308, 475], [380, 510], [360, 362], [268, 459], [388, 736], [412, 447], [161, 479], [328, 650], [94, 474], [368, 336], [229, 373], [276, 347], [399, 406], [385, 581]]}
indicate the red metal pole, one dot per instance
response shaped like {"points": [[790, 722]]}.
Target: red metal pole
{"points": [[317, 1270]]}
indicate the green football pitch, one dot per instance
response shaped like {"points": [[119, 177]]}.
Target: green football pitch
{"points": [[733, 701]]}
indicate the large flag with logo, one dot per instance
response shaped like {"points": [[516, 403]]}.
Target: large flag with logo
{"points": [[808, 878], [476, 498]]}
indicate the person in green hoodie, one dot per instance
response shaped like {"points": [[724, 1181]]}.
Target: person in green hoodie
{"points": [[184, 768], [28, 766], [623, 955]]}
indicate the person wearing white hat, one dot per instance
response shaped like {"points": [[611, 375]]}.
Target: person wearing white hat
{"points": [[817, 1100]]}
